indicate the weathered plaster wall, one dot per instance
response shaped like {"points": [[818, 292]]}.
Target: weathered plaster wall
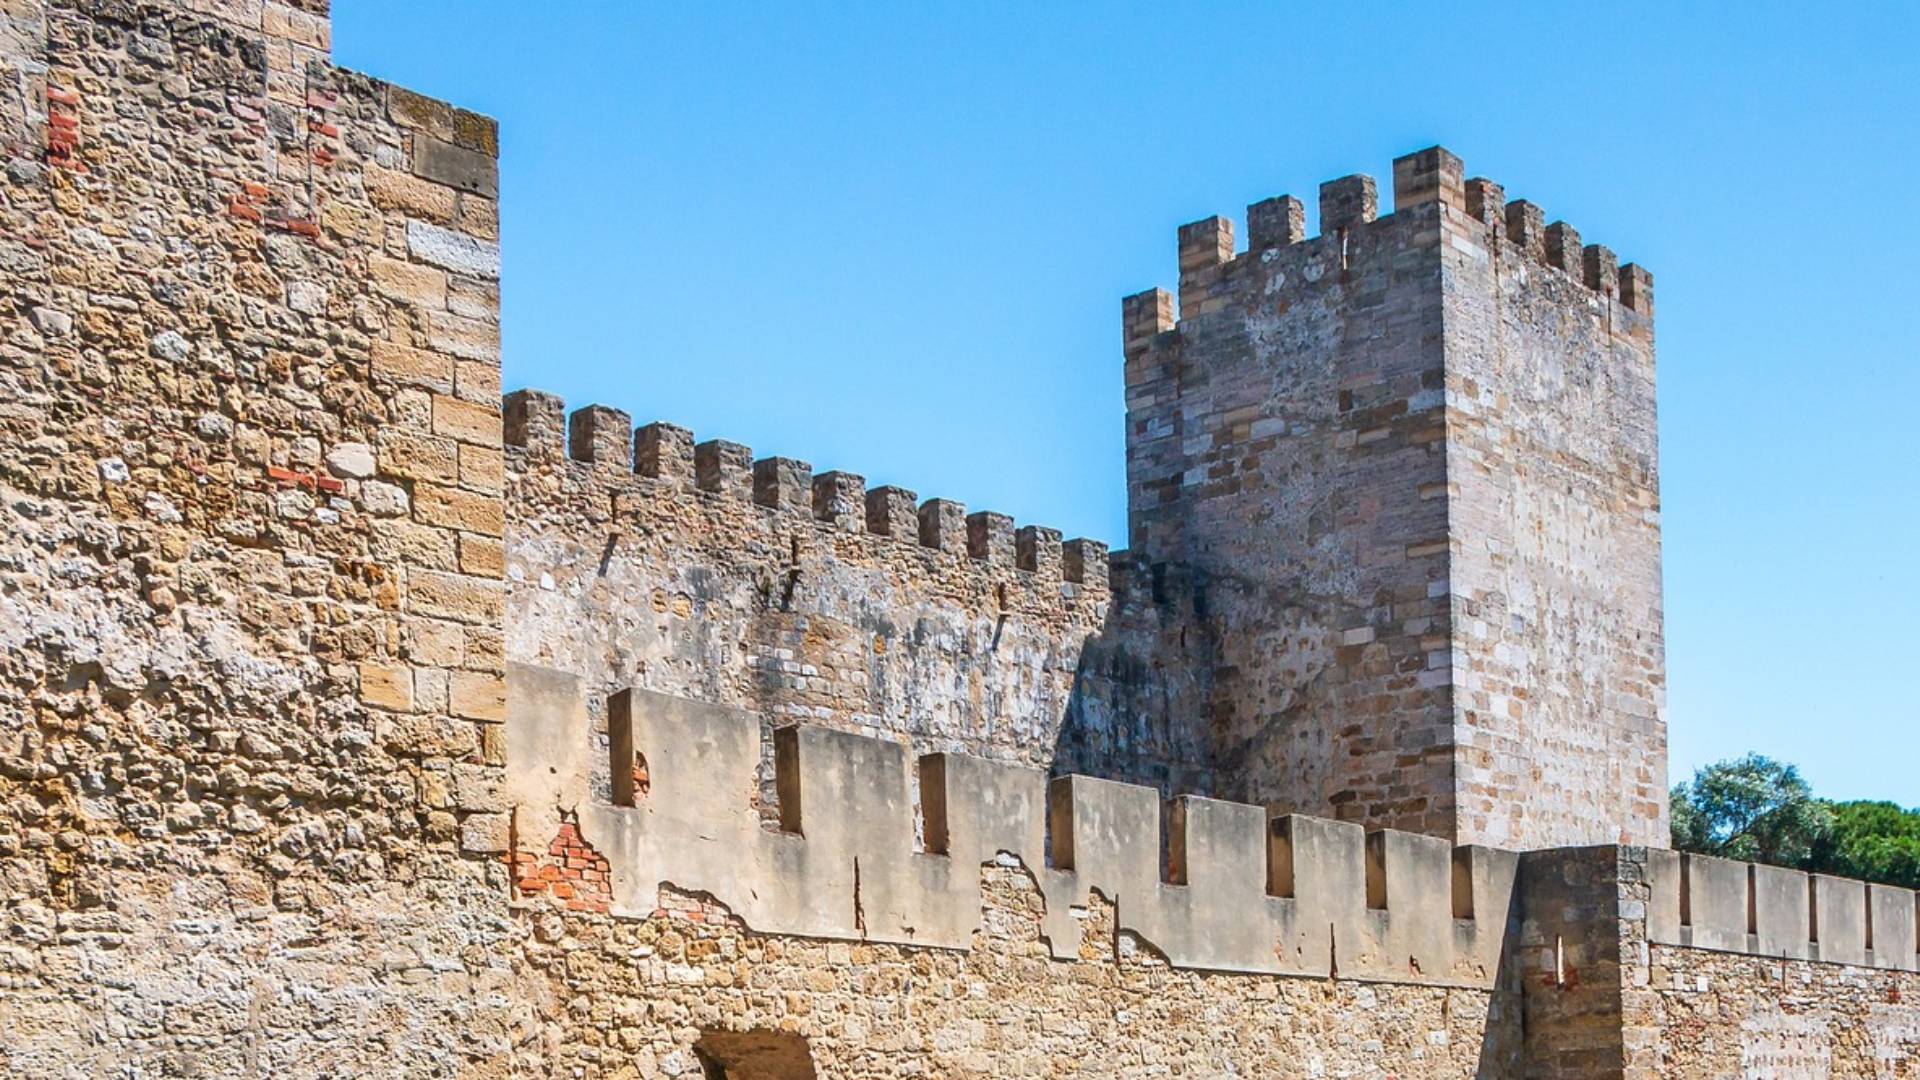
{"points": [[814, 600], [869, 844]]}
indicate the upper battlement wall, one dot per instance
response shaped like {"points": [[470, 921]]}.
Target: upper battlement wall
{"points": [[1701, 902], [1348, 323], [638, 557]]}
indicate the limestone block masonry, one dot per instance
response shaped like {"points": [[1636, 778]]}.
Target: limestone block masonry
{"points": [[357, 719], [1412, 462]]}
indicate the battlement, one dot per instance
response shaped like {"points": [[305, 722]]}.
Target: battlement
{"points": [[1701, 902], [1430, 180], [873, 846], [605, 440]]}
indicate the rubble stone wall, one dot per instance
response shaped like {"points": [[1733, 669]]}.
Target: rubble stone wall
{"points": [[251, 599], [1712, 1014], [803, 597], [644, 993]]}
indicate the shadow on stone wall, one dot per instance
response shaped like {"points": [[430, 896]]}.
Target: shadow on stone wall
{"points": [[1503, 1040], [1138, 712], [1172, 693], [1147, 708]]}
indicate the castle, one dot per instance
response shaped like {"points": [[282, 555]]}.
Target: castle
{"points": [[358, 719]]}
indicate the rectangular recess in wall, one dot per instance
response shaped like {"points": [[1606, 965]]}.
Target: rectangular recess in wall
{"points": [[1753, 900], [1377, 898], [620, 748], [1463, 883], [786, 776], [1060, 822], [1280, 855], [1175, 830], [1686, 890], [933, 804]]}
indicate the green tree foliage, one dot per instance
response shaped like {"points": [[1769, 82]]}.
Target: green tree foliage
{"points": [[1873, 841], [1760, 810], [1754, 809]]}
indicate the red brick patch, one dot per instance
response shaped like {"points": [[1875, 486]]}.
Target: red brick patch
{"points": [[63, 130], [571, 872], [693, 907], [310, 481]]}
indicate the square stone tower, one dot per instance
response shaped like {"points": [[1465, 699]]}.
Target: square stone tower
{"points": [[1412, 467]]}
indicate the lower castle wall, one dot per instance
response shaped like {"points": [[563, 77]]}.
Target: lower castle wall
{"points": [[1717, 1015], [632, 998]]}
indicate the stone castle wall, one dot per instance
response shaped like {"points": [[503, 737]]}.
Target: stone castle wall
{"points": [[1573, 963], [251, 660], [269, 541], [1284, 440], [638, 559], [1554, 499]]}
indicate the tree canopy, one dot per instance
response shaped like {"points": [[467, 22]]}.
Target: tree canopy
{"points": [[1760, 810], [1873, 841]]}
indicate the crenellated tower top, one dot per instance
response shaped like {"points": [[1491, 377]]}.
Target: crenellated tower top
{"points": [[1415, 459]]}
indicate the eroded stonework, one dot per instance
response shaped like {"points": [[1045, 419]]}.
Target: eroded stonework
{"points": [[271, 539]]}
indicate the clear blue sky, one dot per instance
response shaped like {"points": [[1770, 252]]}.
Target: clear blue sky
{"points": [[892, 239]]}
